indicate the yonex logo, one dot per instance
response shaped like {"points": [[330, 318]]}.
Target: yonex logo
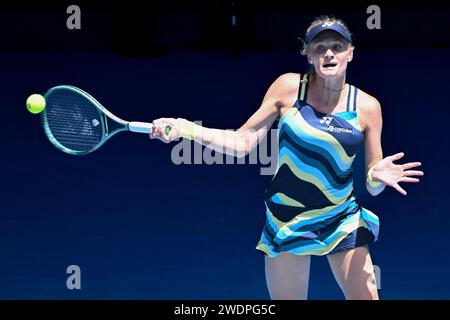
{"points": [[327, 120]]}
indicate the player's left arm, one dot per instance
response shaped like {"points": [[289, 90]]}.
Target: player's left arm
{"points": [[373, 124]]}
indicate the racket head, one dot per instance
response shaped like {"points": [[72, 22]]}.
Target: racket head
{"points": [[73, 121]]}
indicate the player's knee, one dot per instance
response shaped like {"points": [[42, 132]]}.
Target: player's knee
{"points": [[368, 292]]}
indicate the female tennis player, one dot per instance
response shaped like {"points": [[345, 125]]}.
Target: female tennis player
{"points": [[311, 208]]}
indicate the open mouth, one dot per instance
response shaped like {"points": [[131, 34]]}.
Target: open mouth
{"points": [[329, 65]]}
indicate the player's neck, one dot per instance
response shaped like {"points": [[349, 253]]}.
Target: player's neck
{"points": [[327, 92]]}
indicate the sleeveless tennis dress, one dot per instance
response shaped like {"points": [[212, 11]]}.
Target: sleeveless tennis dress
{"points": [[310, 204]]}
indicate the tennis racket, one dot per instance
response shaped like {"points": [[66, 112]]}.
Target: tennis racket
{"points": [[77, 124]]}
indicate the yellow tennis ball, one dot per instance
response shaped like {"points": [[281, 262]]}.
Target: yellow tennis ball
{"points": [[36, 103]]}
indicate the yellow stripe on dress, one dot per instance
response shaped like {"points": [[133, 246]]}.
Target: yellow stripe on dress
{"points": [[284, 199]]}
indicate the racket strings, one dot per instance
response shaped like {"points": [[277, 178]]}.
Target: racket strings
{"points": [[74, 121]]}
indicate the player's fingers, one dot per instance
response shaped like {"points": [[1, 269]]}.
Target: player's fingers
{"points": [[162, 132], [164, 122], [399, 189], [156, 131], [410, 165], [397, 156], [159, 127], [151, 134], [406, 179], [154, 126], [163, 129], [413, 173]]}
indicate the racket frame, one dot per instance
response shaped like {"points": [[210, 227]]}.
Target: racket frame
{"points": [[141, 127]]}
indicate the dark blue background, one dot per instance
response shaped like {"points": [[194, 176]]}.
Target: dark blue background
{"points": [[141, 227]]}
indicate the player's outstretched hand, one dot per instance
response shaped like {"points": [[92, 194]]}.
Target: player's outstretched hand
{"points": [[391, 174]]}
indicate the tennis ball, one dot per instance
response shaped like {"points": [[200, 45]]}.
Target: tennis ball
{"points": [[36, 103]]}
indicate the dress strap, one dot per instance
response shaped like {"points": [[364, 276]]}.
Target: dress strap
{"points": [[351, 98], [302, 87], [354, 98]]}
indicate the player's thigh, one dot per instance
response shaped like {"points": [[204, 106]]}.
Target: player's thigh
{"points": [[287, 276], [354, 272]]}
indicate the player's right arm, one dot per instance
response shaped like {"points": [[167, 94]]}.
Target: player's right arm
{"points": [[243, 140]]}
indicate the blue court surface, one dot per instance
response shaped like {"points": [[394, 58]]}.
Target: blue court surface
{"points": [[141, 227]]}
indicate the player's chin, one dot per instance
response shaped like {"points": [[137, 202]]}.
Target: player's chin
{"points": [[327, 73]]}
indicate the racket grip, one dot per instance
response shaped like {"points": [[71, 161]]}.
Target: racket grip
{"points": [[141, 127], [145, 127]]}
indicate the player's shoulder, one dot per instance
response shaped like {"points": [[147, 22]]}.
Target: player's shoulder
{"points": [[287, 81], [367, 103], [289, 78]]}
